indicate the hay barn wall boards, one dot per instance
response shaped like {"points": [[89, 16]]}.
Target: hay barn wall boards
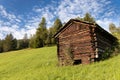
{"points": [[82, 42]]}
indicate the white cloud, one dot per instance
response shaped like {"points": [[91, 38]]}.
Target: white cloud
{"points": [[11, 25], [17, 33], [104, 23], [36, 9], [68, 9], [11, 17]]}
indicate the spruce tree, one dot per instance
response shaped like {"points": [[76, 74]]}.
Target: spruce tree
{"points": [[14, 44], [7, 46], [41, 34], [9, 43]]}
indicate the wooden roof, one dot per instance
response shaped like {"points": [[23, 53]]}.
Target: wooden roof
{"points": [[95, 25]]}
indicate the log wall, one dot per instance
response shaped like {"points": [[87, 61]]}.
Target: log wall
{"points": [[82, 42], [77, 37]]}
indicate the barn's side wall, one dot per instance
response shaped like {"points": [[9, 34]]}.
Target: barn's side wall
{"points": [[76, 39], [103, 42]]}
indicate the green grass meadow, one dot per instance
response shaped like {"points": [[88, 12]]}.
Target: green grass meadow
{"points": [[41, 64]]}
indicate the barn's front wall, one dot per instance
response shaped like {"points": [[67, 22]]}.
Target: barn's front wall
{"points": [[75, 40]]}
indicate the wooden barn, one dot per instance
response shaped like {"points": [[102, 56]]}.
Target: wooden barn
{"points": [[82, 42]]}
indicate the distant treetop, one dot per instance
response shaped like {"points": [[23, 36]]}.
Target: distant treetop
{"points": [[87, 18]]}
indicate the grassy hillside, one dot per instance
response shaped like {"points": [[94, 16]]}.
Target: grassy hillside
{"points": [[41, 64]]}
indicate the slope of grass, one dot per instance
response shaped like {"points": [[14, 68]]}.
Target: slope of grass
{"points": [[41, 64]]}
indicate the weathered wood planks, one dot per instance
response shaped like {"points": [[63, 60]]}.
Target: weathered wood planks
{"points": [[82, 41]]}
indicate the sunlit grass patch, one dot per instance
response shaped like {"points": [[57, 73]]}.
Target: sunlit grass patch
{"points": [[41, 64]]}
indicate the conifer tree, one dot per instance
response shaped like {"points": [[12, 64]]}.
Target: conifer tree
{"points": [[7, 46], [112, 28], [41, 34], [56, 27], [50, 37], [32, 43], [57, 24], [25, 41], [14, 44], [20, 44], [88, 18]]}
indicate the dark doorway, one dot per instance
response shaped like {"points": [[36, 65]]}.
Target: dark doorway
{"points": [[76, 62]]}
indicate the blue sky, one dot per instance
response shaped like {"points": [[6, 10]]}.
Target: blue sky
{"points": [[23, 16]]}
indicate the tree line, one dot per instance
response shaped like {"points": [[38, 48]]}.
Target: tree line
{"points": [[42, 37], [10, 43]]}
